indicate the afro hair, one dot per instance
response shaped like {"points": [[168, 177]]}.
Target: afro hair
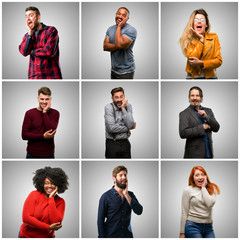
{"points": [[56, 175]]}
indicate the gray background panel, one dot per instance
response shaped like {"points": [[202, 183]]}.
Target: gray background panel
{"points": [[223, 17], [143, 182], [98, 17], [18, 97], [174, 179], [17, 185], [144, 99], [63, 16]]}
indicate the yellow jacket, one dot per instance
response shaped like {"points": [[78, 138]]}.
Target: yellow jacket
{"points": [[209, 53]]}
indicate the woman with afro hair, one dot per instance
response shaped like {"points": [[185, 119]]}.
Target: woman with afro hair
{"points": [[43, 209]]}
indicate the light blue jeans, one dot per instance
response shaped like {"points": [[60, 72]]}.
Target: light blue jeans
{"points": [[199, 230]]}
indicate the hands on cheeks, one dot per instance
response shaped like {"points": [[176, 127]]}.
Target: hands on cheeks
{"points": [[48, 106], [125, 191], [124, 103], [53, 192], [204, 182], [123, 22]]}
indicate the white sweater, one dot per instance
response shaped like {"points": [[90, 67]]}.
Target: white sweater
{"points": [[197, 206]]}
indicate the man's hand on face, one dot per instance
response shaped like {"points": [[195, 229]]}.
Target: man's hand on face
{"points": [[30, 28], [125, 191], [202, 113], [48, 106], [124, 103], [49, 134], [123, 22]]}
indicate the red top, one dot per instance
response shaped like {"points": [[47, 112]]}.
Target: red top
{"points": [[35, 124], [39, 213], [44, 53]]}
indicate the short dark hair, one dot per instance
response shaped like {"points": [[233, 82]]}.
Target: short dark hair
{"points": [[196, 88], [44, 91], [33, 9], [118, 169], [56, 175], [125, 9], [118, 89]]}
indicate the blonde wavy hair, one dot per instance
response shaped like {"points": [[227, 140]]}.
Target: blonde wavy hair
{"points": [[188, 34]]}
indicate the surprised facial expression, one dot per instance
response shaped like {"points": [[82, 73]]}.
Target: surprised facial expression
{"points": [[121, 14], [199, 24], [32, 20], [199, 178]]}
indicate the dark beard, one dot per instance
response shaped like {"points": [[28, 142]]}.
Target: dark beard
{"points": [[120, 185]]}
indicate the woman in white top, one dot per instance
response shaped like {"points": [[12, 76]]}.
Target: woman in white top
{"points": [[197, 202]]}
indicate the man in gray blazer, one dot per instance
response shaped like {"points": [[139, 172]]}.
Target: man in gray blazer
{"points": [[196, 124]]}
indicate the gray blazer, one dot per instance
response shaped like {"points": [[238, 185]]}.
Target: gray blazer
{"points": [[191, 128]]}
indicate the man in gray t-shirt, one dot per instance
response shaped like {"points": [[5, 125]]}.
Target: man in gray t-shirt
{"points": [[119, 40]]}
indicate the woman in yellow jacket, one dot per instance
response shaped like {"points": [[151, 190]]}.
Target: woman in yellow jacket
{"points": [[200, 47]]}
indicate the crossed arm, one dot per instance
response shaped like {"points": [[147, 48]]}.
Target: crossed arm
{"points": [[56, 212]]}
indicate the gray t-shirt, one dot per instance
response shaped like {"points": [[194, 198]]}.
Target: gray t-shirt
{"points": [[122, 60]]}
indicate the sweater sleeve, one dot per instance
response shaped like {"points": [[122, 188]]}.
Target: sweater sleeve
{"points": [[135, 205], [56, 210], [185, 210], [209, 200], [28, 213], [26, 133], [51, 123]]}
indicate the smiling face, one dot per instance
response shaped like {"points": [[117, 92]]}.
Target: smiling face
{"points": [[49, 187], [198, 178], [121, 179], [120, 15], [32, 19], [199, 24], [117, 98], [194, 98], [43, 100]]}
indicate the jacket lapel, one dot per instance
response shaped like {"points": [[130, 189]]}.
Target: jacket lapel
{"points": [[192, 112]]}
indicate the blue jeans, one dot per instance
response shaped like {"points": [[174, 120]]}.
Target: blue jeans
{"points": [[31, 156], [199, 230]]}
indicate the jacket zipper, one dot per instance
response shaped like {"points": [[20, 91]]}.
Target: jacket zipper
{"points": [[208, 52]]}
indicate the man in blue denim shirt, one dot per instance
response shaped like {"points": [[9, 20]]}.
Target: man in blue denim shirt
{"points": [[119, 40], [115, 207]]}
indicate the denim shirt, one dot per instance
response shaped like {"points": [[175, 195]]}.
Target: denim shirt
{"points": [[114, 215]]}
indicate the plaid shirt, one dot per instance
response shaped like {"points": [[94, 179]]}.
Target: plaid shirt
{"points": [[44, 59]]}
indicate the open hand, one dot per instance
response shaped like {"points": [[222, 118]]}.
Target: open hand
{"points": [[124, 103], [125, 191], [48, 106], [53, 192], [49, 134], [200, 36], [55, 226]]}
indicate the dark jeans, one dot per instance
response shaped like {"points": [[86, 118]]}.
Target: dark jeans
{"points": [[122, 76], [118, 149], [31, 156], [199, 230], [203, 78]]}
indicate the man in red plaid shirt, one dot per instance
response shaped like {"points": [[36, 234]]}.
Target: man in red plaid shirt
{"points": [[41, 43]]}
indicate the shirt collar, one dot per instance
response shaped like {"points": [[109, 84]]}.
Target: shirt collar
{"points": [[44, 27], [195, 108]]}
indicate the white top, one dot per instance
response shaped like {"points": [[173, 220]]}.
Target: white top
{"points": [[197, 206]]}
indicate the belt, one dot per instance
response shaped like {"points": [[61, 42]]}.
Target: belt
{"points": [[117, 140]]}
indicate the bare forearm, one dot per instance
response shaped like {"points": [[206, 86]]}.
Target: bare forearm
{"points": [[119, 40], [109, 47]]}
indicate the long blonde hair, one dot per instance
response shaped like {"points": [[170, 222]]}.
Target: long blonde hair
{"points": [[188, 34]]}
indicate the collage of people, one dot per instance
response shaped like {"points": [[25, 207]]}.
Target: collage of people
{"points": [[119, 119]]}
